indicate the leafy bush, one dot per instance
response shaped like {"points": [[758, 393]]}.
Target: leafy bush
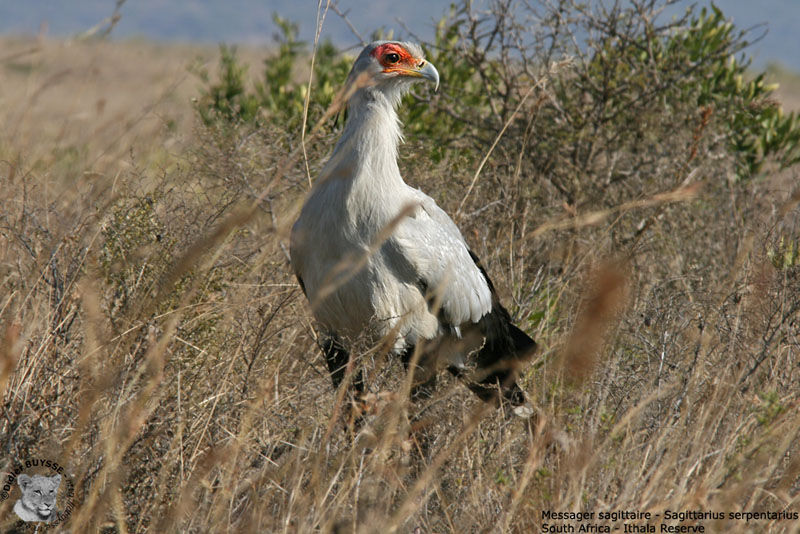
{"points": [[279, 97], [756, 125], [641, 94], [634, 83], [227, 99]]}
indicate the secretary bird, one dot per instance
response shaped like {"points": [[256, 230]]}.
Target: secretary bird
{"points": [[375, 255]]}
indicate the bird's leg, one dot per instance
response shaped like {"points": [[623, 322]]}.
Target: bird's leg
{"points": [[420, 390], [337, 358]]}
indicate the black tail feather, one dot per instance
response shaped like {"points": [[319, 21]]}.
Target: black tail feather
{"points": [[505, 349], [524, 345]]}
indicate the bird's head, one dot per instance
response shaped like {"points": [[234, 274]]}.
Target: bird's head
{"points": [[391, 67]]}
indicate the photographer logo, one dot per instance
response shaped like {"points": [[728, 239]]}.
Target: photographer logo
{"points": [[42, 486]]}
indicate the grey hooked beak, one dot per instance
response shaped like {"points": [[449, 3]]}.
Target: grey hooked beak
{"points": [[429, 72]]}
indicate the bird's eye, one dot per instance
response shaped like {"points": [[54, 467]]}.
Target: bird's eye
{"points": [[392, 57]]}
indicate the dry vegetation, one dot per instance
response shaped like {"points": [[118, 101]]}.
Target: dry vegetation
{"points": [[153, 340]]}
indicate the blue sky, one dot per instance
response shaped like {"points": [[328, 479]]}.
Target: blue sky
{"points": [[250, 21]]}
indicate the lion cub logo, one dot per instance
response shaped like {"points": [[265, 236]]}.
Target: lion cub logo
{"points": [[38, 502]]}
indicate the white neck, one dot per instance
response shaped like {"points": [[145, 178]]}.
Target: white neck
{"points": [[367, 150]]}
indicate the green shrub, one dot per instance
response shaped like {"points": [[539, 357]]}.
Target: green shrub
{"points": [[756, 125], [280, 96], [227, 99], [639, 94]]}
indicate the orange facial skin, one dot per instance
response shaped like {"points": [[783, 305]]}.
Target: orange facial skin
{"points": [[395, 58]]}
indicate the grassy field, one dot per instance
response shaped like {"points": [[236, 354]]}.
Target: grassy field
{"points": [[154, 341]]}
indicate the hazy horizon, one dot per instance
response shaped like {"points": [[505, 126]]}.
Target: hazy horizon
{"points": [[250, 21]]}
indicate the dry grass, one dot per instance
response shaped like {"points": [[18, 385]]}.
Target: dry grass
{"points": [[154, 341]]}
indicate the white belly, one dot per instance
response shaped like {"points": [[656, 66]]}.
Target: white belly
{"points": [[376, 300]]}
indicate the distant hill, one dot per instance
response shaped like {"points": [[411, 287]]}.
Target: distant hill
{"points": [[250, 21]]}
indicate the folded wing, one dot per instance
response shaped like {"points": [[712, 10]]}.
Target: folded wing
{"points": [[436, 250]]}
